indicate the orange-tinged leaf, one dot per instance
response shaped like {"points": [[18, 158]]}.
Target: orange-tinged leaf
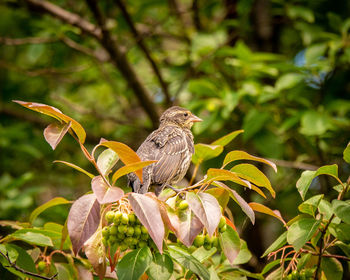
{"points": [[215, 174], [147, 211], [266, 210], [241, 155], [132, 167], [254, 175], [54, 133], [57, 114], [104, 193]]}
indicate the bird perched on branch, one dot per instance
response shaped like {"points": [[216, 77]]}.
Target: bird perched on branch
{"points": [[172, 146]]}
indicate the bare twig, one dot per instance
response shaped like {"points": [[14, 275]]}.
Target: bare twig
{"points": [[14, 266], [25, 41], [327, 255], [294, 164], [144, 48]]}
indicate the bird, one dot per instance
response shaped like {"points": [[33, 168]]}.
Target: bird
{"points": [[171, 146]]}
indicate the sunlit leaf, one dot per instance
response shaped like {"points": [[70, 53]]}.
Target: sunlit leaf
{"points": [[147, 211], [132, 167], [55, 132], [134, 264], [206, 208], [266, 210], [215, 174], [346, 154], [278, 243], [106, 160], [332, 268], [83, 220], [204, 152], [244, 254], [57, 114], [230, 244], [103, 192], [202, 254], [161, 267], [224, 140], [340, 231], [342, 210], [221, 195], [76, 167], [32, 236], [288, 81], [310, 206], [53, 202], [241, 155], [251, 173]]}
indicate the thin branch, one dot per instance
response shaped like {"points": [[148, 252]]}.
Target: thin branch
{"points": [[294, 164], [196, 17], [144, 48], [67, 17], [14, 266], [327, 255], [24, 41], [121, 62]]}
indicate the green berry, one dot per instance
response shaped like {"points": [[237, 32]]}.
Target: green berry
{"points": [[122, 228], [183, 205], [215, 241], [129, 241], [112, 239], [105, 241], [144, 230], [105, 231], [199, 240], [123, 247], [134, 241], [208, 239], [142, 244], [113, 230], [130, 231], [132, 218], [222, 222], [144, 236], [223, 229], [124, 219], [120, 236], [137, 230], [109, 216], [207, 246], [117, 217], [41, 265]]}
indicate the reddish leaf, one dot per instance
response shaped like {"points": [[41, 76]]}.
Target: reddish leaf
{"points": [[57, 114], [266, 210], [187, 225], [215, 174], [206, 208], [54, 133], [103, 192], [239, 155], [147, 211], [221, 195], [130, 168], [230, 244], [83, 220]]}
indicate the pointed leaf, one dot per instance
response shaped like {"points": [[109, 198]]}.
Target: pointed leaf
{"points": [[202, 254], [244, 254], [204, 152], [53, 202], [221, 195], [241, 155], [32, 236], [346, 153], [57, 114], [134, 264], [230, 244], [251, 173], [147, 211], [301, 232], [206, 208], [83, 220], [310, 206], [223, 141], [132, 167], [215, 174], [332, 268], [342, 210], [103, 192], [266, 210], [161, 267], [106, 160], [185, 224], [54, 133], [189, 262], [75, 167], [278, 243]]}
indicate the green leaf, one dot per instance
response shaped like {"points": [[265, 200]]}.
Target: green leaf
{"points": [[204, 152], [188, 261], [306, 178], [223, 141], [134, 264], [301, 231], [272, 264], [332, 268], [276, 274], [53, 202], [76, 167], [161, 267], [342, 210], [346, 154], [202, 254], [32, 236], [230, 244], [252, 174], [310, 206], [288, 81], [314, 53], [254, 121], [106, 160], [325, 208], [244, 254], [314, 123], [278, 243], [341, 231]]}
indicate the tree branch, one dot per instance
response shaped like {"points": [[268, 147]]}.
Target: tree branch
{"points": [[25, 41], [144, 48], [14, 266], [121, 62]]}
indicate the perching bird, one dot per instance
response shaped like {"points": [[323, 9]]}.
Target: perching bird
{"points": [[172, 146]]}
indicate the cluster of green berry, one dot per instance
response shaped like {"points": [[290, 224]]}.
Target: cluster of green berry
{"points": [[125, 231], [305, 274]]}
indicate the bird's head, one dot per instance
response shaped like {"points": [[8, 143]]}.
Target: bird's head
{"points": [[179, 116]]}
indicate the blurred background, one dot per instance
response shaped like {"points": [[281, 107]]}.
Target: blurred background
{"points": [[277, 69]]}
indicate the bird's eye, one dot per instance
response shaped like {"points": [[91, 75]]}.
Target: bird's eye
{"points": [[185, 114]]}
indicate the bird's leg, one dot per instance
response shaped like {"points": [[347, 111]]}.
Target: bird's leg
{"points": [[171, 187]]}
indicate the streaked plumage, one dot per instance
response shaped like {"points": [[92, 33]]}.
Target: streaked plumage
{"points": [[172, 146]]}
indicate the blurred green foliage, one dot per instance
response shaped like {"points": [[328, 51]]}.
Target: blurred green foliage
{"points": [[277, 69]]}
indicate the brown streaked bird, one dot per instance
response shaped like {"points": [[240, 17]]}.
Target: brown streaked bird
{"points": [[172, 146]]}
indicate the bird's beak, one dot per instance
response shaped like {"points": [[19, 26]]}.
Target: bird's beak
{"points": [[194, 118]]}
